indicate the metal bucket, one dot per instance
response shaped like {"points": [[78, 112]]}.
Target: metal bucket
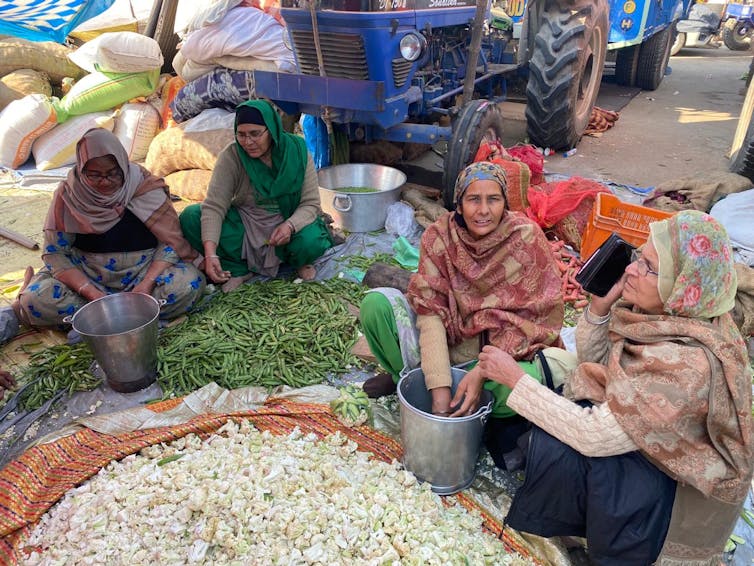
{"points": [[121, 330], [440, 450], [359, 212]]}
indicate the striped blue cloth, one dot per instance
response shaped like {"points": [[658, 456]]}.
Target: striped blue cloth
{"points": [[47, 20]]}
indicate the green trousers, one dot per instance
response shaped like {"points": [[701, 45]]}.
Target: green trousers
{"points": [[305, 246], [381, 332]]}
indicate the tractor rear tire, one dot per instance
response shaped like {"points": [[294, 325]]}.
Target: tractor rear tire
{"points": [[627, 65], [742, 150], [479, 121], [653, 59], [737, 35], [565, 71], [678, 43]]}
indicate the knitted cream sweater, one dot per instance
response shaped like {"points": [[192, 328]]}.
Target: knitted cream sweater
{"points": [[593, 431]]}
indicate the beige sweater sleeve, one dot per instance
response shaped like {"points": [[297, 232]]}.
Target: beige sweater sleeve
{"points": [[592, 431], [592, 343], [228, 177], [433, 342]]}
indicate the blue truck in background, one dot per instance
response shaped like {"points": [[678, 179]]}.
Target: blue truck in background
{"points": [[408, 70]]}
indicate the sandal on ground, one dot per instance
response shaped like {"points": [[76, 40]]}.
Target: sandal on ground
{"points": [[380, 385]]}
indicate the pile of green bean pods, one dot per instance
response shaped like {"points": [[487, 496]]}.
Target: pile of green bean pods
{"points": [[265, 334], [56, 368], [364, 263], [268, 333]]}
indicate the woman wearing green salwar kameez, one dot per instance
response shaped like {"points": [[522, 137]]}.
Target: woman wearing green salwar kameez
{"points": [[262, 207]]}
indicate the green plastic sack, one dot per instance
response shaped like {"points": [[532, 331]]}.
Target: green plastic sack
{"points": [[102, 91]]}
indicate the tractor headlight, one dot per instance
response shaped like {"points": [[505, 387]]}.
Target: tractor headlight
{"points": [[412, 46]]}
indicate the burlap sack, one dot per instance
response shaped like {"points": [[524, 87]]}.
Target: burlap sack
{"points": [[17, 84], [175, 150], [43, 56], [190, 184], [695, 193]]}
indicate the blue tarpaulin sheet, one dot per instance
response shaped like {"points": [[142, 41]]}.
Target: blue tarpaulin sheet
{"points": [[47, 20]]}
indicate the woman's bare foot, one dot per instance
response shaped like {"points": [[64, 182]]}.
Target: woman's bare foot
{"points": [[16, 304], [235, 282], [307, 272]]}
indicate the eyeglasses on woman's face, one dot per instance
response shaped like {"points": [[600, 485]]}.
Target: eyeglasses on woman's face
{"points": [[114, 176], [641, 264], [252, 135]]}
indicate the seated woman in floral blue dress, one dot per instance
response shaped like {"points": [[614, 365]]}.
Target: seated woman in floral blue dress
{"points": [[111, 228]]}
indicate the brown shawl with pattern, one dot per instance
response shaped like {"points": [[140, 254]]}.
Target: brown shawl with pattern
{"points": [[680, 387], [506, 282]]}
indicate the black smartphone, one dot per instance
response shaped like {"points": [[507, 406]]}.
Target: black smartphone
{"points": [[605, 266]]}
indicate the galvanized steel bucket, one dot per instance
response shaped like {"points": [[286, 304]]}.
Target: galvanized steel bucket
{"points": [[121, 330], [439, 450]]}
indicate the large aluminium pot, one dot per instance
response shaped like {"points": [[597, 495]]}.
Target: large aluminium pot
{"points": [[442, 451], [359, 212]]}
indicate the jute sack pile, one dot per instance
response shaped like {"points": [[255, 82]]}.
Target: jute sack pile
{"points": [[17, 84], [190, 184], [43, 56], [175, 149]]}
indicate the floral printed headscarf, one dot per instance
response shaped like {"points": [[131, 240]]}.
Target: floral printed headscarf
{"points": [[480, 171], [696, 274]]}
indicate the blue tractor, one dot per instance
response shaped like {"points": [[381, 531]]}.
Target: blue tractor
{"points": [[422, 71]]}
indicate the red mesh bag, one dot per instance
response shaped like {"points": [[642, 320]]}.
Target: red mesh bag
{"points": [[564, 207]]}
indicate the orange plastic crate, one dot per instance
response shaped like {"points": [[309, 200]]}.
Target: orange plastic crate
{"points": [[610, 214]]}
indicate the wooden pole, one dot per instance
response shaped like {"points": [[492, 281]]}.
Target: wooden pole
{"points": [[18, 238], [475, 47]]}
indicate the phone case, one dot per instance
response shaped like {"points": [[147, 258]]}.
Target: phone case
{"points": [[605, 266]]}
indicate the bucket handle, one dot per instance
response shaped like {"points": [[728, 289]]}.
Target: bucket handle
{"points": [[486, 412], [69, 319], [345, 197]]}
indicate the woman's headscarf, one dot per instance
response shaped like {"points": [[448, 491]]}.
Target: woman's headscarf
{"points": [[282, 182], [480, 171], [696, 273], [79, 208]]}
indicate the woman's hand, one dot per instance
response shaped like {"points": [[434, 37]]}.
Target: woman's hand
{"points": [[440, 401], [282, 234], [468, 392], [499, 366], [214, 270], [6, 382], [600, 306], [144, 287]]}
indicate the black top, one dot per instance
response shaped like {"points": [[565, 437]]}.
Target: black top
{"points": [[128, 235]]}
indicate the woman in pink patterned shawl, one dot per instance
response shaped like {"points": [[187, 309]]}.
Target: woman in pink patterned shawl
{"points": [[663, 436]]}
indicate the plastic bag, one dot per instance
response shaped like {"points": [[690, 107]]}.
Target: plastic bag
{"points": [[400, 219], [406, 254]]}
